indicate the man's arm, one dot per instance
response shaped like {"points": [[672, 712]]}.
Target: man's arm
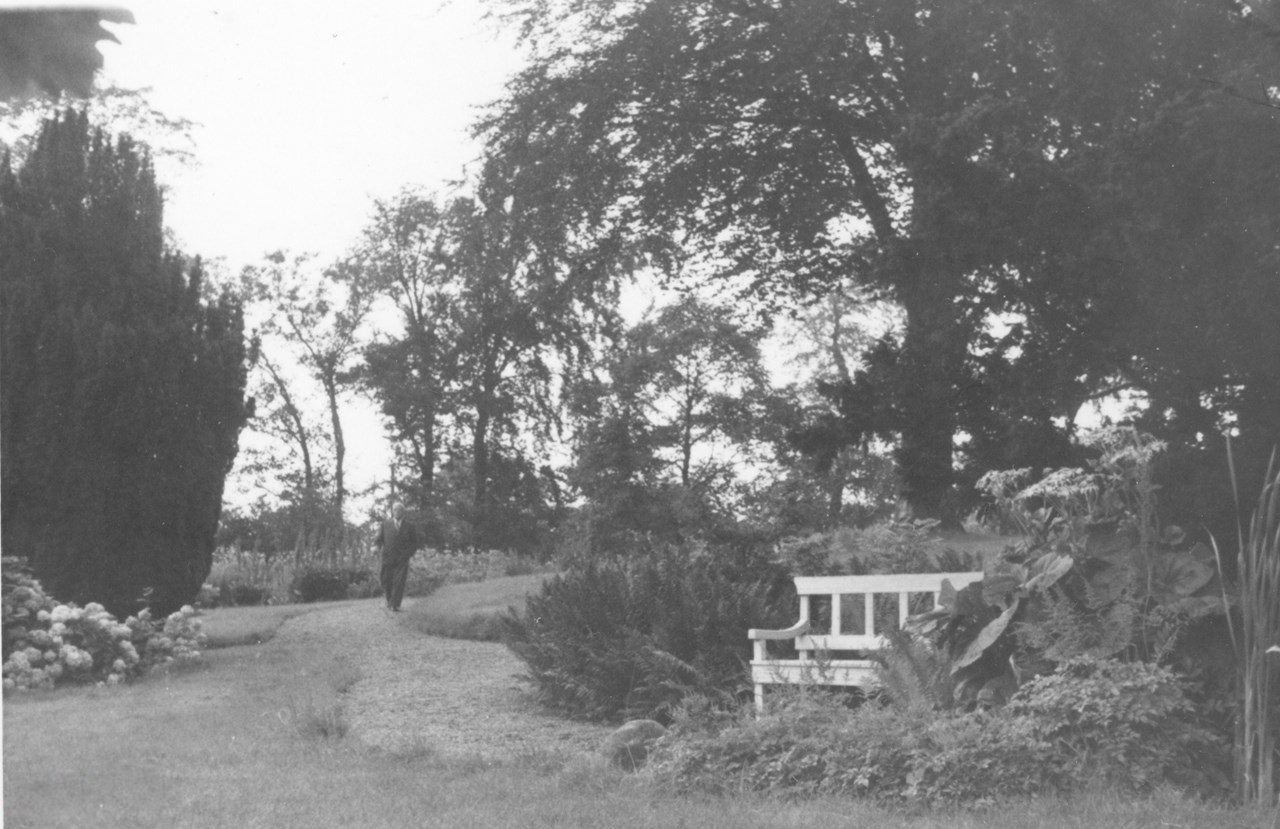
{"points": [[409, 542]]}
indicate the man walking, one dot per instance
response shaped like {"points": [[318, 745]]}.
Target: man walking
{"points": [[398, 541]]}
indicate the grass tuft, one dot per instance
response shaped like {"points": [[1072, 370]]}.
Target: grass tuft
{"points": [[312, 720]]}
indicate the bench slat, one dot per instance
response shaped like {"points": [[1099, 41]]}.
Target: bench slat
{"points": [[892, 583], [798, 672], [860, 672]]}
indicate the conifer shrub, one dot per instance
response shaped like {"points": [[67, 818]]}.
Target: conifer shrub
{"points": [[630, 638], [123, 377]]}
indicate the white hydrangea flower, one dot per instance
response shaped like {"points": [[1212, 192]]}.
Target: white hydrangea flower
{"points": [[34, 655], [60, 614], [118, 666], [17, 662], [54, 670], [94, 608], [57, 628], [114, 679], [9, 684], [43, 616], [75, 658]]}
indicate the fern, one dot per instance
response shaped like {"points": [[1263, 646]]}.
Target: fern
{"points": [[913, 674], [632, 637]]}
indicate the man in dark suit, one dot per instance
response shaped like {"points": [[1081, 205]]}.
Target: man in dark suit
{"points": [[397, 541]]}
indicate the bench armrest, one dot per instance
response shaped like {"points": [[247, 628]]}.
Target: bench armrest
{"points": [[798, 629]]}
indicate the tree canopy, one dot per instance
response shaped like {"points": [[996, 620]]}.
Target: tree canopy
{"points": [[971, 160]]}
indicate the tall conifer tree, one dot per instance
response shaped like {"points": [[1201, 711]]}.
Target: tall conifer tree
{"points": [[122, 386]]}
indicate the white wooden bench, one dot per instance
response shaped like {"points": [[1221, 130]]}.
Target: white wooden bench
{"points": [[817, 663]]}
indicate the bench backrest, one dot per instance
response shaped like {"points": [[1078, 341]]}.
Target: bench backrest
{"points": [[837, 587]]}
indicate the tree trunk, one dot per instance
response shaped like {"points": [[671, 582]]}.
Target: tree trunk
{"points": [[480, 461], [933, 352], [339, 447]]}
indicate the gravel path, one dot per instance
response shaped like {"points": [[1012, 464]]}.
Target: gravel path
{"points": [[426, 691]]}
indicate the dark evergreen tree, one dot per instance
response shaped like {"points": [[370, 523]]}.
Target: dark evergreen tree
{"points": [[123, 386]]}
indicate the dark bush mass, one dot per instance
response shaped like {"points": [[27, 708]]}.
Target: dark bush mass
{"points": [[123, 383]]}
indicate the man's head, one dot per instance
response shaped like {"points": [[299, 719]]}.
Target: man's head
{"points": [[397, 510]]}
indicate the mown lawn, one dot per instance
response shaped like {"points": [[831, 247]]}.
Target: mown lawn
{"points": [[471, 610]]}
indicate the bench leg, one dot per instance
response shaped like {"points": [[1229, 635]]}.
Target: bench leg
{"points": [[759, 698]]}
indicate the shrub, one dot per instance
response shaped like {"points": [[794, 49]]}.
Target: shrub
{"points": [[1126, 726], [47, 643], [630, 638], [460, 567], [813, 744], [233, 591], [318, 584]]}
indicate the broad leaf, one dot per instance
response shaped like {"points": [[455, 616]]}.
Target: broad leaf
{"points": [[986, 638], [1047, 570], [1178, 574]]}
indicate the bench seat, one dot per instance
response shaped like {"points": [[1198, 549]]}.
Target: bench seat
{"points": [[840, 657]]}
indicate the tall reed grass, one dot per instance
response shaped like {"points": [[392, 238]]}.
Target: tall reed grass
{"points": [[1258, 560]]}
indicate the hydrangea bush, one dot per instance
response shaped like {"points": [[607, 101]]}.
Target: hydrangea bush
{"points": [[47, 643]]}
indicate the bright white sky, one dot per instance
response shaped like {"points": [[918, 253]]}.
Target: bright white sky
{"points": [[308, 110]]}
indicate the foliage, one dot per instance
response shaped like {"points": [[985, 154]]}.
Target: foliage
{"points": [[1257, 645], [1097, 575], [310, 319], [812, 745], [167, 138], [461, 567], [348, 571], [630, 637], [1124, 725], [47, 643], [319, 584], [233, 590], [123, 384], [675, 405], [893, 546], [971, 161], [484, 302], [912, 675]]}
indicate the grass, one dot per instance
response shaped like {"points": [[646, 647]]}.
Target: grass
{"points": [[227, 627], [471, 610], [257, 737]]}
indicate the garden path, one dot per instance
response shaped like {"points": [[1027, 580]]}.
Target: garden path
{"points": [[422, 692]]}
